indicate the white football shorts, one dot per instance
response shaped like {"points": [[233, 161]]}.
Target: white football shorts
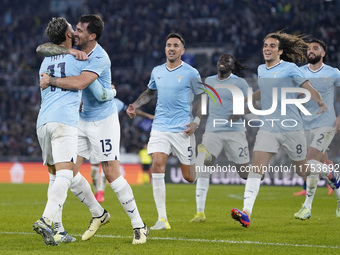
{"points": [[320, 138], [58, 143], [179, 144], [234, 143], [294, 143], [100, 139]]}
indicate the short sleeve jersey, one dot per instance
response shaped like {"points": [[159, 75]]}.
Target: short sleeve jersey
{"points": [[222, 112], [60, 105], [324, 81], [282, 75], [175, 93], [100, 64]]}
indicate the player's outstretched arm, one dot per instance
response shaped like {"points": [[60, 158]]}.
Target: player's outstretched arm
{"points": [[315, 96], [144, 114], [49, 49], [143, 99]]}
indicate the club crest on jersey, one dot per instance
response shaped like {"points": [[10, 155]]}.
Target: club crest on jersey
{"points": [[179, 78], [275, 74]]}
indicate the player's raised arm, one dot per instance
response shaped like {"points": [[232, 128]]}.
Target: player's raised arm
{"points": [[49, 49]]}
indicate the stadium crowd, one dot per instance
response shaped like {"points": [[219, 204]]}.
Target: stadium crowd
{"points": [[134, 39]]}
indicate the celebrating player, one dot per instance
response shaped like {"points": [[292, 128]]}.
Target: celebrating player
{"points": [[231, 138], [98, 130], [57, 131], [172, 130], [280, 50], [319, 129]]}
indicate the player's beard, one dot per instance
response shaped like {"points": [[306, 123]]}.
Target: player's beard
{"points": [[314, 60], [73, 40]]}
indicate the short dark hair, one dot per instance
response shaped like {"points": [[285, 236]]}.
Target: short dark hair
{"points": [[96, 24], [56, 30], [176, 35], [323, 45]]}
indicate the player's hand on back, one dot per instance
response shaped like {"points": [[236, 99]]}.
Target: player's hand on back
{"points": [[78, 54], [44, 81]]}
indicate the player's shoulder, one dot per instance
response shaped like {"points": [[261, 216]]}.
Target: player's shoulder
{"points": [[99, 53], [211, 77], [330, 68], [189, 67], [285, 64], [160, 67], [239, 81], [193, 72], [304, 67]]}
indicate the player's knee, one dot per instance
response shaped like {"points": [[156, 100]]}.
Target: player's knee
{"points": [[157, 168], [189, 178]]}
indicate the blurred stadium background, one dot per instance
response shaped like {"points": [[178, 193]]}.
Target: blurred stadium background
{"points": [[134, 39]]}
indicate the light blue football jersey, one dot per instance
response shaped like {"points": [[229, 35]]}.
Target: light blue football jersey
{"points": [[120, 105], [175, 92], [282, 75], [323, 80], [100, 64], [218, 111], [60, 105]]}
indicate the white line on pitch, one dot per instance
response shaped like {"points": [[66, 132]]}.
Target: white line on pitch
{"points": [[197, 240]]}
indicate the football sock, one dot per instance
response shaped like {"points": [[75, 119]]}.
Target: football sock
{"points": [[318, 168], [202, 187], [250, 192], [82, 190], [57, 194], [125, 196], [337, 193], [158, 187], [311, 184], [51, 182], [57, 221]]}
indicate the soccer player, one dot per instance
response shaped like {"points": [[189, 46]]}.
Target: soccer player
{"points": [[172, 129], [99, 180], [98, 129], [230, 137], [57, 131], [280, 50], [319, 129]]}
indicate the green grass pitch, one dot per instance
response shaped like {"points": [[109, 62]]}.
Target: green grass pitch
{"points": [[273, 228]]}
